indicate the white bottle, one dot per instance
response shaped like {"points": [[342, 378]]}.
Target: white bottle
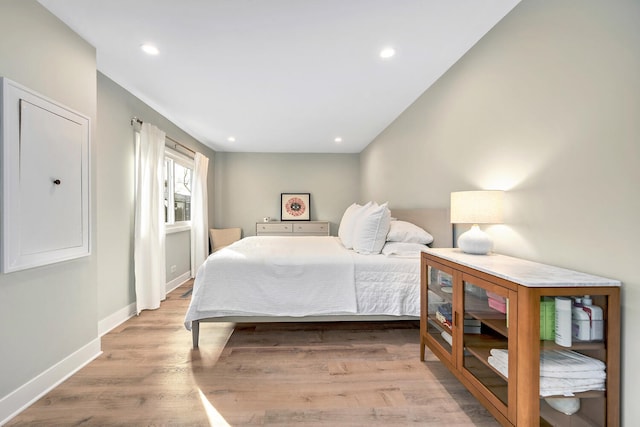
{"points": [[595, 314], [580, 322], [563, 321]]}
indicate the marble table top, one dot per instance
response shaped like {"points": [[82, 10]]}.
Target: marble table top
{"points": [[522, 272]]}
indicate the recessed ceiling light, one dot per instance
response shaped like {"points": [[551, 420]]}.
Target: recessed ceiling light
{"points": [[231, 139], [338, 140], [387, 52], [149, 49]]}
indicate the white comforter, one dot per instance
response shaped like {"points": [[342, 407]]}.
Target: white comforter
{"points": [[302, 276]]}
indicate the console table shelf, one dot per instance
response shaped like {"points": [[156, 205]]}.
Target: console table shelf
{"points": [[494, 304]]}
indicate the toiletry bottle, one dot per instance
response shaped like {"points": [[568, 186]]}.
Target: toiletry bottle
{"points": [[547, 318], [580, 322], [596, 320], [563, 321]]}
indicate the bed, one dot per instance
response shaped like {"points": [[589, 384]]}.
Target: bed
{"points": [[311, 279]]}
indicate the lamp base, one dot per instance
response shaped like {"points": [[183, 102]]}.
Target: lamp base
{"points": [[475, 241]]}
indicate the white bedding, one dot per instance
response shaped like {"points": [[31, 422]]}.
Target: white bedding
{"points": [[303, 276], [387, 285]]}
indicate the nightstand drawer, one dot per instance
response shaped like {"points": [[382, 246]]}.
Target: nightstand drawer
{"points": [[274, 228], [320, 228], [302, 228]]}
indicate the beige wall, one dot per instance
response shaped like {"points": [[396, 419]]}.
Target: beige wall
{"points": [[49, 312], [178, 250], [50, 315], [116, 107], [546, 106], [248, 186]]}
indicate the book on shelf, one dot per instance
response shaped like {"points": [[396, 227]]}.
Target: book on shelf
{"points": [[472, 326]]}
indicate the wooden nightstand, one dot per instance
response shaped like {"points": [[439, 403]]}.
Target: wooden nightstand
{"points": [[293, 228]]}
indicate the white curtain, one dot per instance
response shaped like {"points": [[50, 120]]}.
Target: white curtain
{"points": [[199, 213], [149, 246]]}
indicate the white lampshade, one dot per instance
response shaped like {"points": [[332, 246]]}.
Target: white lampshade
{"points": [[476, 207]]}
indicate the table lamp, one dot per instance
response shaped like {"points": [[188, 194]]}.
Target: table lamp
{"points": [[476, 207]]}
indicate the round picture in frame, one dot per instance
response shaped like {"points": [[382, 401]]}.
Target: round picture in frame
{"points": [[295, 207]]}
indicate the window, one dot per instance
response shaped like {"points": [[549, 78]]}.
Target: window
{"points": [[178, 172]]}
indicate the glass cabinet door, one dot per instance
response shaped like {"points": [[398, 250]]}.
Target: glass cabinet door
{"points": [[440, 308], [485, 337], [573, 374]]}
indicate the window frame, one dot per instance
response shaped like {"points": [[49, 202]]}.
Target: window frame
{"points": [[172, 156]]}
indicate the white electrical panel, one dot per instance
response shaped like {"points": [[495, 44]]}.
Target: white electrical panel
{"points": [[45, 180]]}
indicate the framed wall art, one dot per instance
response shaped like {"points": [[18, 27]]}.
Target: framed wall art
{"points": [[295, 207]]}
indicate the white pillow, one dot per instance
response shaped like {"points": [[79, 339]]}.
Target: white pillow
{"points": [[348, 222], [403, 249], [371, 230], [403, 231]]}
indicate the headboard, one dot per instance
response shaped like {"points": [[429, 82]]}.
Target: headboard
{"points": [[436, 221]]}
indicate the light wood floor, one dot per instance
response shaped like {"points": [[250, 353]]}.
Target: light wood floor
{"points": [[346, 374]]}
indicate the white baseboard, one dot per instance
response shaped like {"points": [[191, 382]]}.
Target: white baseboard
{"points": [[21, 398], [116, 319], [178, 281]]}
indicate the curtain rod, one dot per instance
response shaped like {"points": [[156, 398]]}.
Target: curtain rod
{"points": [[138, 121]]}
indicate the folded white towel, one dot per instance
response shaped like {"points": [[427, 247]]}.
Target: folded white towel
{"points": [[562, 364], [567, 361], [579, 372], [567, 387], [594, 375], [555, 386], [500, 365], [447, 337], [500, 354]]}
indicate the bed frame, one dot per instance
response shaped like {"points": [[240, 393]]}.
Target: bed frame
{"points": [[435, 221]]}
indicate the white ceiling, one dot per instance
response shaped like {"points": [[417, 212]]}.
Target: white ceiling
{"points": [[279, 75]]}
